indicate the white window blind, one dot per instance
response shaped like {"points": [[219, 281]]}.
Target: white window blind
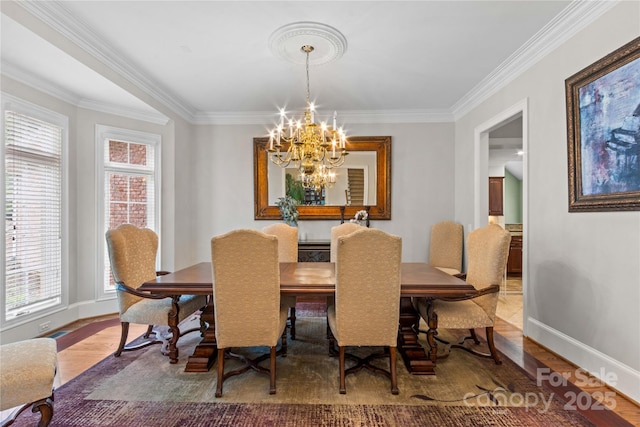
{"points": [[33, 214]]}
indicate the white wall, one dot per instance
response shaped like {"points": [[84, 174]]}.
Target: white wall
{"points": [[422, 183], [583, 272]]}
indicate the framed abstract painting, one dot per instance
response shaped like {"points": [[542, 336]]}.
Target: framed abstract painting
{"points": [[603, 131]]}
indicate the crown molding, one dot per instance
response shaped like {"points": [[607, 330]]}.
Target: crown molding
{"points": [[268, 118], [118, 110], [397, 116], [25, 77], [235, 118], [56, 15], [576, 16]]}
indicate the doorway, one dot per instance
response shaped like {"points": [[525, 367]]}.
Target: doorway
{"points": [[501, 146]]}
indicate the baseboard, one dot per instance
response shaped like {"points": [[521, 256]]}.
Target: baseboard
{"points": [[615, 374], [67, 340], [96, 308], [59, 319]]}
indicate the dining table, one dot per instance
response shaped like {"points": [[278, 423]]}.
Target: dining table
{"points": [[315, 279]]}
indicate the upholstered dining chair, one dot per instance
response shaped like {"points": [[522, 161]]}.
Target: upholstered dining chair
{"points": [[445, 247], [287, 252], [27, 373], [132, 254], [246, 285], [367, 302], [337, 232], [488, 248]]}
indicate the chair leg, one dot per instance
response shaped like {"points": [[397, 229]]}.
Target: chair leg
{"points": [[328, 330], [343, 387], [45, 407], [392, 370], [220, 372], [329, 301], [365, 362], [123, 338], [149, 330], [272, 369], [332, 344], [473, 336], [283, 339], [492, 347], [292, 320]]}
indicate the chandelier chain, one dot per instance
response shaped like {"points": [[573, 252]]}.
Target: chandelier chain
{"points": [[308, 91], [312, 149]]}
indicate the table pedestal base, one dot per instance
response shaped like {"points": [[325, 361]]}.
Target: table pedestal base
{"points": [[416, 359], [204, 355]]}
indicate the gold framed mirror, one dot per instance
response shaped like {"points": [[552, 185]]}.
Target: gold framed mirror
{"points": [[373, 154]]}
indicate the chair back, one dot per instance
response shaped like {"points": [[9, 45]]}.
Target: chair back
{"points": [[368, 288], [488, 249], [445, 246], [246, 288], [338, 231], [287, 240], [132, 255]]}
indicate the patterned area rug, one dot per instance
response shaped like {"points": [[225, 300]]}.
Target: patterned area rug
{"points": [[142, 389]]}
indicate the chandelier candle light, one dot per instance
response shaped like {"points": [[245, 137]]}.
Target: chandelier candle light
{"points": [[312, 149]]}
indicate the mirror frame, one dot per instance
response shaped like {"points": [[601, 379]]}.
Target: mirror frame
{"points": [[381, 210]]}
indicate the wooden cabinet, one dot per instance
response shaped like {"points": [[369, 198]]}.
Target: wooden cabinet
{"points": [[496, 184], [314, 251], [514, 262]]}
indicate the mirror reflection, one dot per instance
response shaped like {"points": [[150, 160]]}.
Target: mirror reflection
{"points": [[363, 181], [353, 183]]}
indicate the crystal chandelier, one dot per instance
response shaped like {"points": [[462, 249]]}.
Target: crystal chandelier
{"points": [[311, 148]]}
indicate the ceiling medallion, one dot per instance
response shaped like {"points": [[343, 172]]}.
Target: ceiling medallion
{"points": [[329, 43]]}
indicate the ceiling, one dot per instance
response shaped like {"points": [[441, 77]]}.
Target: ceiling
{"points": [[210, 61]]}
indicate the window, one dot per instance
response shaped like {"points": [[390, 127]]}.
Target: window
{"points": [[129, 187], [33, 270]]}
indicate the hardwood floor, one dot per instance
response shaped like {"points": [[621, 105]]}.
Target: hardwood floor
{"points": [[88, 341], [534, 358], [531, 356], [510, 301]]}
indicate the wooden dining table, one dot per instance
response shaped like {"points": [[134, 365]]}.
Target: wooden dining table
{"points": [[315, 279]]}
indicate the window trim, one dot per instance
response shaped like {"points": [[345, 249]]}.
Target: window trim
{"points": [[104, 133], [10, 102]]}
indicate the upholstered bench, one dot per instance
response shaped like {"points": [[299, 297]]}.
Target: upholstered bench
{"points": [[27, 369]]}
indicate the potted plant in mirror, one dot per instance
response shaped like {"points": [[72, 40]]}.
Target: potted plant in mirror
{"points": [[294, 188], [288, 210]]}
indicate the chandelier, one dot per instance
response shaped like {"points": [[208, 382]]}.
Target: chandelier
{"points": [[322, 177], [314, 149]]}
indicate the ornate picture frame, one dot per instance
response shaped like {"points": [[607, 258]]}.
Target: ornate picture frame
{"points": [[603, 132]]}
